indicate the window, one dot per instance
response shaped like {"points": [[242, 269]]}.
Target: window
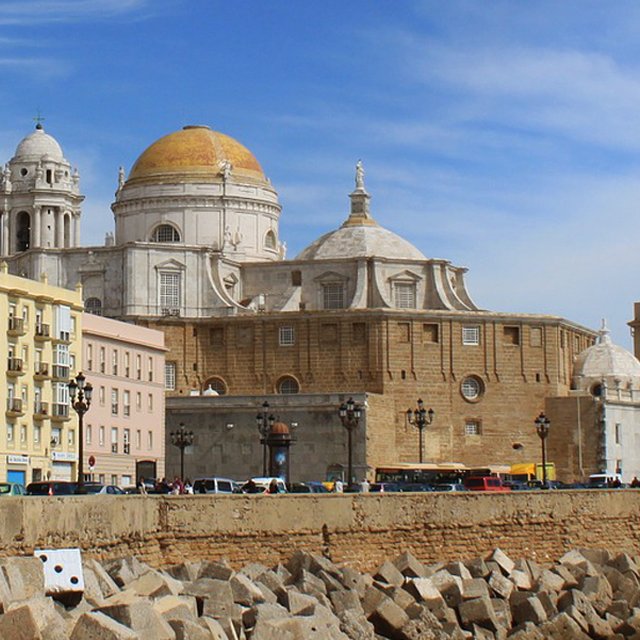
{"points": [[536, 337], [114, 402], [126, 441], [71, 437], [114, 439], [150, 402], [286, 336], [404, 332], [328, 333], [37, 434], [138, 367], [138, 439], [101, 396], [288, 385], [170, 288], [471, 428], [103, 358], [93, 306], [10, 431], [296, 278], [270, 240], [404, 295], [165, 233], [87, 434], [101, 436], [127, 363], [126, 403], [114, 362], [23, 434], [56, 436], [138, 401], [511, 335], [471, 335], [618, 433], [333, 295], [430, 333], [90, 357], [359, 333], [150, 368], [471, 388], [217, 384], [149, 440], [170, 376]]}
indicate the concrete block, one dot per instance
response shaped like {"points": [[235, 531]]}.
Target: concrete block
{"points": [[572, 558], [189, 630], [23, 577], [253, 570], [213, 627], [352, 579], [598, 557], [409, 566], [140, 616], [478, 611], [98, 626], [286, 629], [521, 580], [550, 581], [598, 591], [176, 607], [274, 582], [449, 586], [620, 609], [355, 626], [155, 584], [388, 573], [62, 570], [124, 570], [503, 612], [478, 568], [265, 611], [505, 563], [570, 580], [480, 633], [562, 627], [526, 607], [218, 570], [424, 625], [308, 583], [27, 619], [622, 586], [388, 618], [458, 569], [346, 600], [267, 594], [185, 571], [475, 588], [245, 591], [372, 599], [623, 562], [578, 617], [527, 631], [548, 601], [301, 604], [330, 581], [105, 582], [501, 585]]}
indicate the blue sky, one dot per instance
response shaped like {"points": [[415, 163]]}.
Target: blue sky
{"points": [[504, 135]]}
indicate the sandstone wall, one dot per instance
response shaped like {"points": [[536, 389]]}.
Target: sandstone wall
{"points": [[360, 530]]}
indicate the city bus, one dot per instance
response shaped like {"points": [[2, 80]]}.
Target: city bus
{"points": [[436, 472], [530, 471]]}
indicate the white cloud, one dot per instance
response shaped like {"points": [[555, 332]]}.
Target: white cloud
{"points": [[48, 11]]}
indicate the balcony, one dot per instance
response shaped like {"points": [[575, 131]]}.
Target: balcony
{"points": [[15, 407], [15, 367], [41, 370], [126, 448], [42, 332], [60, 372], [40, 410], [63, 337], [114, 447], [59, 412], [16, 327]]}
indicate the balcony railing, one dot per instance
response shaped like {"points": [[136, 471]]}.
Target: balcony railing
{"points": [[14, 366], [43, 331], [41, 408], [14, 405], [41, 370], [59, 410], [16, 326]]}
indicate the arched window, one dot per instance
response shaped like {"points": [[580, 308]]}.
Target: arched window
{"points": [[165, 233], [270, 240], [288, 385], [93, 306], [23, 231], [217, 384]]}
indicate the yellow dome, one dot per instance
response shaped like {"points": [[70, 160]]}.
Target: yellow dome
{"points": [[194, 154]]}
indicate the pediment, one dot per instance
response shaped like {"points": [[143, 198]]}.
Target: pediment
{"points": [[170, 265]]}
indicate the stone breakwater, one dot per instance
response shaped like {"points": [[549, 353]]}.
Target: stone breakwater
{"points": [[585, 594]]}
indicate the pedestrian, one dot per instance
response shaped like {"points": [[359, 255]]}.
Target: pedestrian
{"points": [[364, 486], [250, 487], [188, 487], [142, 487], [272, 488], [338, 487], [635, 483]]}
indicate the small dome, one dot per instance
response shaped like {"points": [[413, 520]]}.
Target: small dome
{"points": [[280, 428], [361, 241], [37, 145], [606, 360], [195, 153]]}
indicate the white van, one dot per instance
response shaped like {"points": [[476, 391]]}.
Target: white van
{"points": [[598, 480], [213, 485], [263, 483]]}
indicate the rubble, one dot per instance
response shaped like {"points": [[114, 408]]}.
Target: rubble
{"points": [[587, 593]]}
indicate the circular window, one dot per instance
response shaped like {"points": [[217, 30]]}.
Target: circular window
{"points": [[472, 388], [596, 390], [24, 171], [288, 385], [215, 384]]}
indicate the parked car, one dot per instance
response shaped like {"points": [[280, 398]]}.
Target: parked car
{"points": [[213, 485], [96, 487], [52, 488], [516, 485], [485, 483], [408, 487], [384, 487], [308, 487], [449, 486], [263, 483], [12, 489]]}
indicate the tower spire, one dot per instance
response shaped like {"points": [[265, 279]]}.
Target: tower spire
{"points": [[360, 198]]}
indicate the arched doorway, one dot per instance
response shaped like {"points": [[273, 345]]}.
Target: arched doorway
{"points": [[23, 231]]}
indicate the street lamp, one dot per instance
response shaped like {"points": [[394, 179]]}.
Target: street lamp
{"points": [[181, 439], [265, 421], [542, 427], [80, 393], [421, 419], [350, 412]]}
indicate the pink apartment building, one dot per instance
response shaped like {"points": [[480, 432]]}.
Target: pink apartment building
{"points": [[124, 427]]}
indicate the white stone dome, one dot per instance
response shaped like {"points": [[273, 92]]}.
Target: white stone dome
{"points": [[39, 144], [362, 241], [605, 360]]}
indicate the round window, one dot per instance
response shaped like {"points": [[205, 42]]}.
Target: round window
{"points": [[471, 388], [24, 171]]}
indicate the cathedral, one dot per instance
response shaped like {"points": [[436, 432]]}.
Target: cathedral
{"points": [[361, 312]]}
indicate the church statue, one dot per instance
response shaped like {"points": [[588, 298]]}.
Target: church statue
{"points": [[120, 178], [225, 168], [359, 176]]}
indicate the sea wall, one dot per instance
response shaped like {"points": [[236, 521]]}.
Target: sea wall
{"points": [[361, 530]]}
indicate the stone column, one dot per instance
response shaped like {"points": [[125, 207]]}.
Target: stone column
{"points": [[76, 229], [35, 232], [58, 217], [5, 232]]}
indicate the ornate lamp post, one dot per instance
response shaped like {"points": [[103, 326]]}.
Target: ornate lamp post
{"points": [[80, 393], [350, 412], [542, 427], [421, 419], [265, 421], [182, 439]]}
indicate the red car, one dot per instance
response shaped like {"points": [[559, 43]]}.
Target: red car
{"points": [[485, 483]]}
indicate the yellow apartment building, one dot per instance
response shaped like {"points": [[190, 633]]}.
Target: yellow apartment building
{"points": [[42, 344]]}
